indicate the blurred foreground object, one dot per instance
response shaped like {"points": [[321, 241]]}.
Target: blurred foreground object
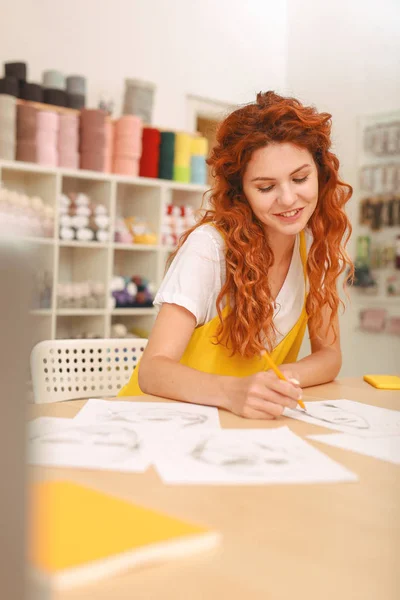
{"points": [[15, 271]]}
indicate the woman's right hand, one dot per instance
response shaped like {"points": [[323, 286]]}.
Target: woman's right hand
{"points": [[263, 395]]}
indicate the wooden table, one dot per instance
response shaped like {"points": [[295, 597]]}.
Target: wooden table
{"points": [[314, 542]]}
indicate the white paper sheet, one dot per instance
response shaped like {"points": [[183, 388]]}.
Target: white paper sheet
{"points": [[349, 417], [68, 443], [387, 448], [43, 425], [244, 456], [162, 415]]}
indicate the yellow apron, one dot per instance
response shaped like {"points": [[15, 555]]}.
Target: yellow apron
{"points": [[203, 354]]}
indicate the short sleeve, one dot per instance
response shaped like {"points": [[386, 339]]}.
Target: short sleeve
{"points": [[193, 279]]}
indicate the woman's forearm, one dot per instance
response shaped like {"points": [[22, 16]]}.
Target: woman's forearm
{"points": [[161, 376], [319, 367]]}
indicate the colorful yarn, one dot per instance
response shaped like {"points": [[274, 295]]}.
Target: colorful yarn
{"points": [[150, 152]]}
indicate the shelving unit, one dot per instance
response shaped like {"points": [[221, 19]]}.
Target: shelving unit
{"points": [[385, 234], [74, 261]]}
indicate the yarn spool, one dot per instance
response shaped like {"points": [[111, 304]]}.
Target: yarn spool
{"points": [[10, 86], [76, 91], [150, 152], [167, 154], [54, 80], [47, 138], [26, 133], [68, 142], [55, 97], [76, 101], [198, 167], [131, 292], [76, 84], [7, 126], [182, 157], [127, 145], [31, 91], [16, 69], [138, 99], [93, 140], [109, 144]]}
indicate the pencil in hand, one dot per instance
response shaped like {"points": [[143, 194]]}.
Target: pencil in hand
{"points": [[279, 374]]}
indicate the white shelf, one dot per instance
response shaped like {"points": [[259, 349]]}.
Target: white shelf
{"points": [[75, 261], [77, 244], [144, 247], [49, 241], [81, 312], [123, 312], [99, 176], [137, 247]]}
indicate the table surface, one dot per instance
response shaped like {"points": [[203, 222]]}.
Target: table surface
{"points": [[315, 542]]}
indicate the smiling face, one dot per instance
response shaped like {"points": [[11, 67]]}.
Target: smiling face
{"points": [[281, 186]]}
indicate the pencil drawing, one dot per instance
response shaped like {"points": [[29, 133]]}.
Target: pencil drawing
{"points": [[248, 458], [93, 436], [156, 415], [330, 413]]}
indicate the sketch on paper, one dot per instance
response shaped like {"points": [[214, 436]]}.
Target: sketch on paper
{"points": [[125, 439], [149, 414], [330, 413], [250, 456], [349, 417], [103, 446], [158, 415]]}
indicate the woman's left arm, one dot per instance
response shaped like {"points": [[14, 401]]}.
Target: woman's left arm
{"points": [[325, 360]]}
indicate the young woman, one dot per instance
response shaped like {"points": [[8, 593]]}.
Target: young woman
{"points": [[260, 265]]}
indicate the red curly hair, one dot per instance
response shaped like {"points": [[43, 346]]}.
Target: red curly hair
{"points": [[273, 118]]}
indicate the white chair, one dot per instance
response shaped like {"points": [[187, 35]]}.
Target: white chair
{"points": [[71, 369]]}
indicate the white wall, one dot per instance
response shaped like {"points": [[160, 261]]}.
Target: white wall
{"points": [[225, 50], [344, 57]]}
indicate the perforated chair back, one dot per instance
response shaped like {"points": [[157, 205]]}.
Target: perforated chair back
{"points": [[71, 369]]}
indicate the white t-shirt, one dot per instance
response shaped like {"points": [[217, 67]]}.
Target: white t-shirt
{"points": [[198, 272]]}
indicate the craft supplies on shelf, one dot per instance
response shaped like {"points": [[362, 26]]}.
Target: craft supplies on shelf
{"points": [[84, 294], [134, 230], [31, 215], [82, 220], [377, 285], [176, 220], [71, 263], [131, 292]]}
